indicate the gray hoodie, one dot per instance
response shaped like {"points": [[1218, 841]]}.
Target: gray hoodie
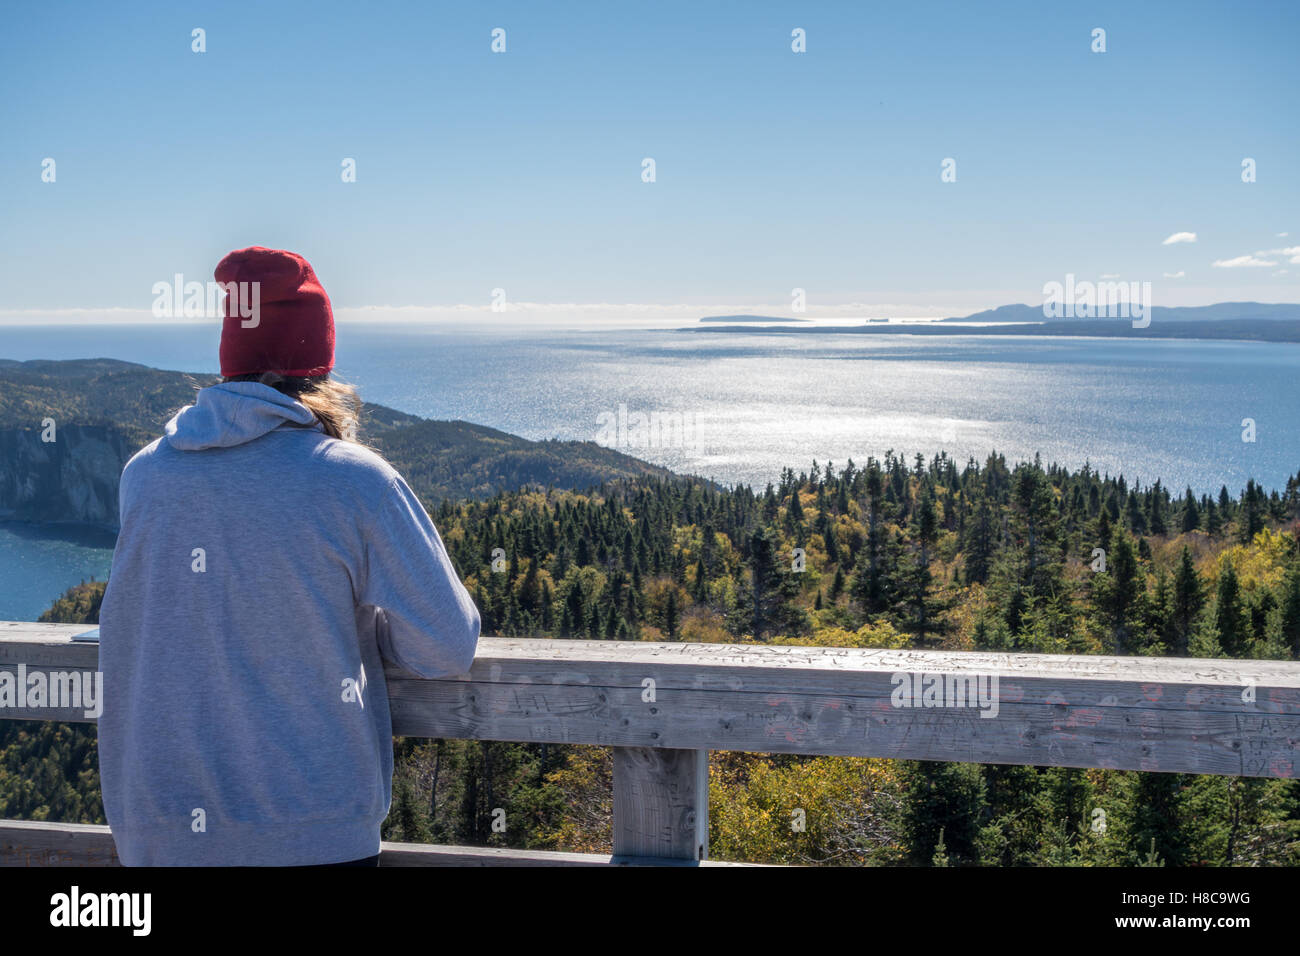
{"points": [[261, 572]]}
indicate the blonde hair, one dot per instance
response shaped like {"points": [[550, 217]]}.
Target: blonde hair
{"points": [[336, 405]]}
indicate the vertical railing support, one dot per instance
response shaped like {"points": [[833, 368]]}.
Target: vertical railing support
{"points": [[661, 803]]}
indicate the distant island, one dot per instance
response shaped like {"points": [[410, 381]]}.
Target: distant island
{"points": [[747, 318], [1237, 321], [1219, 312]]}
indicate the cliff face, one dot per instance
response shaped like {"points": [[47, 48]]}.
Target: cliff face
{"points": [[71, 479]]}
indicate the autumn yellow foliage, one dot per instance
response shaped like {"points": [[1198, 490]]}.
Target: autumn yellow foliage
{"points": [[1262, 563], [820, 810]]}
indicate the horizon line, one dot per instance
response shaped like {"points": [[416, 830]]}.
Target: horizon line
{"points": [[588, 311]]}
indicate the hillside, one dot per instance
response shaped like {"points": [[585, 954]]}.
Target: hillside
{"points": [[105, 410], [463, 460], [134, 398]]}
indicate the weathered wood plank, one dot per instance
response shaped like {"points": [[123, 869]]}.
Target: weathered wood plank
{"points": [[1252, 743], [1159, 714], [1148, 683], [661, 803], [38, 843], [761, 667], [424, 854]]}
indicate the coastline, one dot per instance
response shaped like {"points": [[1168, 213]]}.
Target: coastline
{"points": [[1230, 330]]}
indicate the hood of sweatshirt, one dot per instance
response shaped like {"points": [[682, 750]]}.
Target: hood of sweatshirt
{"points": [[234, 413]]}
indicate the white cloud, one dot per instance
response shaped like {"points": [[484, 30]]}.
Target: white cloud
{"points": [[1241, 261], [1175, 275], [1283, 235], [1110, 275], [1290, 253], [1179, 237], [1281, 272]]}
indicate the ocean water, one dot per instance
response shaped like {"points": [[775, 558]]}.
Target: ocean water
{"points": [[38, 563], [739, 408]]}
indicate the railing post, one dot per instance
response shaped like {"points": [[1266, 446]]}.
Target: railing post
{"points": [[661, 803]]}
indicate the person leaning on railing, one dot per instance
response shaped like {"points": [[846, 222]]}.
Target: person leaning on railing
{"points": [[267, 563]]}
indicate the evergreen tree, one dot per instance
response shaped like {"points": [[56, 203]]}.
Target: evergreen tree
{"points": [[767, 606], [1291, 609], [1252, 511], [1035, 522], [1230, 614], [700, 586], [794, 513], [980, 544], [837, 585], [1156, 509], [1189, 599], [1103, 531], [672, 615], [1156, 809], [1191, 514], [1118, 591], [1137, 520], [879, 580], [1213, 519], [945, 798], [924, 612]]}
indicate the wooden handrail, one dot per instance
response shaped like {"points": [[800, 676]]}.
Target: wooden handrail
{"points": [[664, 706]]}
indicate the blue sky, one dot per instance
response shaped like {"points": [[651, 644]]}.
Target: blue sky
{"points": [[774, 170]]}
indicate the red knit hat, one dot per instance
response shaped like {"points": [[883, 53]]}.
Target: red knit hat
{"points": [[291, 330]]}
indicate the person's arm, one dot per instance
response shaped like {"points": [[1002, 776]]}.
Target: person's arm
{"points": [[432, 623]]}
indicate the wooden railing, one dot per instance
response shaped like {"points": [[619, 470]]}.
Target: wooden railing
{"points": [[663, 707]]}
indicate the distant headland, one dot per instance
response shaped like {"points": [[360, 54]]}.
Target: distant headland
{"points": [[1237, 321]]}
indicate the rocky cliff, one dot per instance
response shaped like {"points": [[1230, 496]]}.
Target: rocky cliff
{"points": [[71, 479]]}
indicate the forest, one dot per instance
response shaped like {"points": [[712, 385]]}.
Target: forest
{"points": [[893, 553]]}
